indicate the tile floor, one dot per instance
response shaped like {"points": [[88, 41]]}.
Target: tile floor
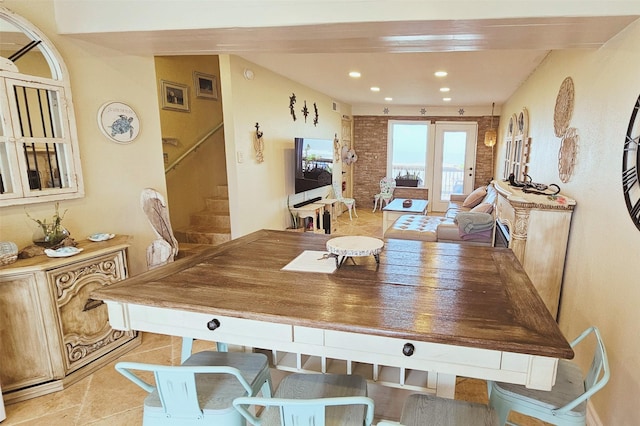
{"points": [[107, 398]]}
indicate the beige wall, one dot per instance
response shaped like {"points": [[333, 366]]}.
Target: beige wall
{"points": [[601, 284], [258, 191], [114, 174]]}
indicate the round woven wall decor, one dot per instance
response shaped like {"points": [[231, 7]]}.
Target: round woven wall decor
{"points": [[567, 154], [564, 107]]}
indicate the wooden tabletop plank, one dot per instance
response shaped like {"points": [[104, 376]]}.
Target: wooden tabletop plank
{"points": [[434, 292]]}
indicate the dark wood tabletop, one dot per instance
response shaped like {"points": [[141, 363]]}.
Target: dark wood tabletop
{"points": [[434, 292]]}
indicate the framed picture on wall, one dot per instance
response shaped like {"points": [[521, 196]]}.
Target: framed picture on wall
{"points": [[206, 85], [175, 96]]}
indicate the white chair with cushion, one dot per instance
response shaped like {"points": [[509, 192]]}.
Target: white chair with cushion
{"points": [[566, 403], [312, 399], [202, 389], [349, 202], [387, 186], [430, 410]]}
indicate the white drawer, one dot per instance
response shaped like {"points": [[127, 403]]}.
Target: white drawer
{"points": [[420, 350], [193, 324]]}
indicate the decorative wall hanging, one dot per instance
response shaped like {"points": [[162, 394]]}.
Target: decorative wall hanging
{"points": [[567, 154], [349, 156], [315, 119], [336, 148], [630, 162], [118, 122], [258, 144], [564, 107], [206, 85], [305, 111], [175, 96], [569, 136], [517, 146], [292, 102]]}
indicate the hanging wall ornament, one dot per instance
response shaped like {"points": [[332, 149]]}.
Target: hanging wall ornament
{"points": [[305, 111], [292, 102], [258, 144], [336, 148], [315, 119], [567, 154], [564, 107]]}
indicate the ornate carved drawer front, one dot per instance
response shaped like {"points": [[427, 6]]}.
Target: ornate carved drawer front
{"points": [[84, 322]]}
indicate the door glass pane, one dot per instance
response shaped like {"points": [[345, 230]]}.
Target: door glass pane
{"points": [[409, 152], [38, 112], [453, 154]]}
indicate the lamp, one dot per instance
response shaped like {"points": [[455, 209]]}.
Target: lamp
{"points": [[490, 136]]}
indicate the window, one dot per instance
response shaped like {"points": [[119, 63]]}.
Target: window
{"points": [[407, 148], [517, 146], [39, 158]]}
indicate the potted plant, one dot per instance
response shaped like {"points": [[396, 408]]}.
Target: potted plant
{"points": [[411, 179], [295, 220], [50, 234]]}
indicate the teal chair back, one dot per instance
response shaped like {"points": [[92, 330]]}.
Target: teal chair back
{"points": [[565, 404], [312, 399], [197, 394]]}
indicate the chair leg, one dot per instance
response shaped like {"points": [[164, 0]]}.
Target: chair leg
{"points": [[375, 204], [501, 408], [349, 208], [354, 209]]}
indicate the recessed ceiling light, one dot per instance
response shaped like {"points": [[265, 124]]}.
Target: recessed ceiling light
{"points": [[375, 89], [440, 73], [354, 74], [444, 89], [388, 99], [446, 99]]}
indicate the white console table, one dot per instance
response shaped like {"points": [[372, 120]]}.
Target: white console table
{"points": [[538, 234]]}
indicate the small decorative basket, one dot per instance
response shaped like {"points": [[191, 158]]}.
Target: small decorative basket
{"points": [[407, 203], [8, 253]]}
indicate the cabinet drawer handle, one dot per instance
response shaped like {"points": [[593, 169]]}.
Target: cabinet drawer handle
{"points": [[92, 304], [408, 349], [213, 324]]}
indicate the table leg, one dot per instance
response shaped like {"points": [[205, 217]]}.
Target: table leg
{"points": [[377, 257]]}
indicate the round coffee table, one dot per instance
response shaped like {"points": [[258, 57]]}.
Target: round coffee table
{"points": [[354, 246]]}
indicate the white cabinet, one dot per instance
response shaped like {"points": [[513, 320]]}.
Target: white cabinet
{"points": [[52, 333], [538, 233]]}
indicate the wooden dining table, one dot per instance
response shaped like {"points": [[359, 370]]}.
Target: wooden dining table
{"points": [[426, 313]]}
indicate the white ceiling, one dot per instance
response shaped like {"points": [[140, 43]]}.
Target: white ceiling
{"points": [[487, 59]]}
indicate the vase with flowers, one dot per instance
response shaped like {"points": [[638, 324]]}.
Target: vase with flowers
{"points": [[50, 234]]}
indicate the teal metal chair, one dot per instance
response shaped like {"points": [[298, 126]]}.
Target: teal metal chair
{"points": [[387, 186], [430, 410], [349, 202], [566, 403], [312, 399], [202, 389]]}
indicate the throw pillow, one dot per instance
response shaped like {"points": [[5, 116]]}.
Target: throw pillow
{"points": [[475, 197], [483, 208]]}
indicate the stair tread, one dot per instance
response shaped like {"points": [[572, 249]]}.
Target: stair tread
{"points": [[205, 229]]}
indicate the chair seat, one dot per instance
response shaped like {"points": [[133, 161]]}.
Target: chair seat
{"points": [[424, 410], [569, 385], [311, 386], [216, 392]]}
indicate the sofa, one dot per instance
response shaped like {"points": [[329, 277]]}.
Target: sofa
{"points": [[469, 218]]}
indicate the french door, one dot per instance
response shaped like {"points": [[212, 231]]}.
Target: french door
{"points": [[454, 162]]}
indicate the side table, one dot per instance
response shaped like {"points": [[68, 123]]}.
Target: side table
{"points": [[315, 212], [394, 210]]}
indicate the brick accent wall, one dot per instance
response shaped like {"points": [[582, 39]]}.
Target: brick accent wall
{"points": [[370, 143]]}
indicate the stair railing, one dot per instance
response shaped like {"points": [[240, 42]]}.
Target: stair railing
{"points": [[194, 147]]}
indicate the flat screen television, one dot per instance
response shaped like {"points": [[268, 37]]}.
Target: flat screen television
{"points": [[313, 163]]}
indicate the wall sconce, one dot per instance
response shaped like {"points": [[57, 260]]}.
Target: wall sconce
{"points": [[258, 144], [491, 136]]}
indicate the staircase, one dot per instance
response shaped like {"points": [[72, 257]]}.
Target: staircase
{"points": [[212, 225]]}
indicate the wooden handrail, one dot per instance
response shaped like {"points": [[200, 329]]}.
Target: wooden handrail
{"points": [[193, 148]]}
